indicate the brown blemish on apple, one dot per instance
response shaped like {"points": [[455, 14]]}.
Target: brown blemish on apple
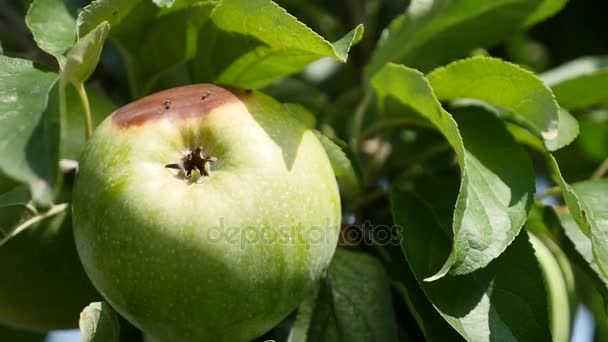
{"points": [[191, 101]]}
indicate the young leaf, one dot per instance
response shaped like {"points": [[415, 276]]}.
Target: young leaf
{"points": [[29, 148], [504, 301], [431, 33], [497, 178], [99, 323], [53, 27], [580, 83], [347, 171], [285, 45], [82, 59], [348, 309], [503, 84], [98, 11]]}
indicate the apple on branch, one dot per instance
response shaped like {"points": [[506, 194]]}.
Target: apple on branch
{"points": [[203, 213]]}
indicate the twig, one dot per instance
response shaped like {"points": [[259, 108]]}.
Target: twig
{"points": [[53, 211]]}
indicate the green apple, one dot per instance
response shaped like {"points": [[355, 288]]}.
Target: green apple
{"points": [[43, 284], [205, 214]]}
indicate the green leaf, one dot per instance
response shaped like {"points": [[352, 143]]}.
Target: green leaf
{"points": [[567, 127], [82, 59], [504, 301], [284, 45], [349, 309], [152, 43], [557, 291], [98, 11], [29, 147], [99, 323], [497, 178], [546, 9], [567, 131], [570, 197], [580, 252], [343, 162], [502, 84], [431, 33], [406, 287], [53, 27], [580, 83], [594, 205]]}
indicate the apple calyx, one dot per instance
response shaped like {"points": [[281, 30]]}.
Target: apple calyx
{"points": [[194, 165]]}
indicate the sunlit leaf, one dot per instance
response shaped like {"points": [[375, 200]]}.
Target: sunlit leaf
{"points": [[431, 33], [502, 84], [277, 43], [497, 178], [54, 36]]}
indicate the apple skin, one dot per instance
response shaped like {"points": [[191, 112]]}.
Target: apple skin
{"points": [[223, 260], [44, 286]]}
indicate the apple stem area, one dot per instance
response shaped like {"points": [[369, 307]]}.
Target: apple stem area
{"points": [[194, 165]]}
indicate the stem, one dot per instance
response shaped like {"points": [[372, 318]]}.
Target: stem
{"points": [[601, 170], [53, 211], [88, 121]]}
